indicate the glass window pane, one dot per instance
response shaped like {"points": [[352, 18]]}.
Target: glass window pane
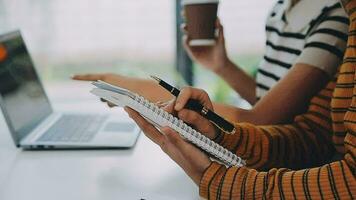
{"points": [[65, 37]]}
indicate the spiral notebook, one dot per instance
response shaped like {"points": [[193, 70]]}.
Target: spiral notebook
{"points": [[160, 118]]}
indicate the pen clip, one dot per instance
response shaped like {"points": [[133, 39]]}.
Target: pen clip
{"points": [[223, 130], [229, 128]]}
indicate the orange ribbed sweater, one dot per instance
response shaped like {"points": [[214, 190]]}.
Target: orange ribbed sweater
{"points": [[295, 161]]}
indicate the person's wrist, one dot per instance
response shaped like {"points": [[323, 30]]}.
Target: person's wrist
{"points": [[200, 173], [223, 67]]}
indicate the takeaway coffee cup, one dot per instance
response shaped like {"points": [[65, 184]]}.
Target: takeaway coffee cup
{"points": [[200, 16]]}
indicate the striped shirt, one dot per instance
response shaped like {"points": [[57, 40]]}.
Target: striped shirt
{"points": [[297, 160], [311, 28]]}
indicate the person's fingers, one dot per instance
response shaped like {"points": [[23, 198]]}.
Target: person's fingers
{"points": [[185, 40], [161, 104], [174, 147], [170, 106], [217, 22], [149, 130], [88, 77], [107, 102], [221, 37], [188, 49], [193, 160], [183, 97], [173, 136], [185, 154], [192, 93], [182, 13], [184, 28], [111, 104], [165, 104], [199, 122], [174, 139]]}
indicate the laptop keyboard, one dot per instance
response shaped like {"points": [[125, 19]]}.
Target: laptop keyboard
{"points": [[74, 128]]}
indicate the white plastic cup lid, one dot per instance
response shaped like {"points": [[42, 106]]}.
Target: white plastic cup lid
{"points": [[202, 42]]}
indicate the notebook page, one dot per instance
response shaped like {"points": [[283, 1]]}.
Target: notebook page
{"points": [[160, 118]]}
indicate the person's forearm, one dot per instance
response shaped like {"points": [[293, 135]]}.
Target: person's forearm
{"points": [[235, 114], [265, 147], [232, 113], [282, 103], [147, 88], [253, 116], [331, 181], [242, 83]]}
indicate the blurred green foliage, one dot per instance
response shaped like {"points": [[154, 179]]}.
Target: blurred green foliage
{"points": [[217, 88]]}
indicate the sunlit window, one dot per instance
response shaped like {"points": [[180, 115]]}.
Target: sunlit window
{"points": [[134, 38], [67, 36]]}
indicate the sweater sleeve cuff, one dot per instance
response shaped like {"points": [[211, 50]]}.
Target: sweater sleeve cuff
{"points": [[207, 177], [230, 141]]}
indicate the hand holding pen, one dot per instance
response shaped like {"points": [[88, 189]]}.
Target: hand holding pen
{"points": [[195, 105]]}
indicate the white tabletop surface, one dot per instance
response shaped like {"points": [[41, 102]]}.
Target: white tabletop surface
{"points": [[143, 172]]}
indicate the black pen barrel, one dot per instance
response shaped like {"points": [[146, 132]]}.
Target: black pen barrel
{"points": [[170, 88], [220, 122], [196, 106]]}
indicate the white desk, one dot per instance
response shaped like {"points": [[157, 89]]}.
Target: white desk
{"points": [[143, 172]]}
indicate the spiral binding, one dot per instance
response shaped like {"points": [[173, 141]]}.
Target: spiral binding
{"points": [[187, 132]]}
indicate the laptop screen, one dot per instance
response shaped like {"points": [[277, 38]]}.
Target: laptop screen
{"points": [[23, 99]]}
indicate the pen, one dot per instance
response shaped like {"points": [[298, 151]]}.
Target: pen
{"points": [[194, 105]]}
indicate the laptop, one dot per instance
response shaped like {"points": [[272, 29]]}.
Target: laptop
{"points": [[29, 115]]}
